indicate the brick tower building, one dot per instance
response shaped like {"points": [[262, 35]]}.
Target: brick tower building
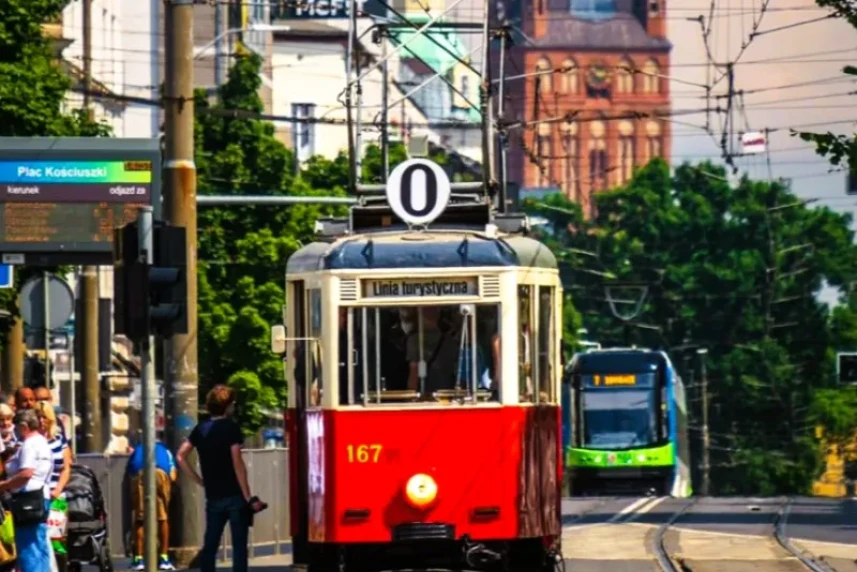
{"points": [[605, 64]]}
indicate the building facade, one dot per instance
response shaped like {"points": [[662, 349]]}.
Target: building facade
{"points": [[596, 97]]}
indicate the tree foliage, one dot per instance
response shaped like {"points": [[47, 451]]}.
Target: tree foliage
{"points": [[840, 150], [735, 272], [33, 88], [243, 250]]}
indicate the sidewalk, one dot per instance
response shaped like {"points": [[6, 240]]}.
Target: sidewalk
{"points": [[278, 563]]}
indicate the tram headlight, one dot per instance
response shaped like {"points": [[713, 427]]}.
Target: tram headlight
{"points": [[421, 491]]}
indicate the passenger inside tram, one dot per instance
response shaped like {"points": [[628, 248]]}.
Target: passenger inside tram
{"points": [[449, 336]]}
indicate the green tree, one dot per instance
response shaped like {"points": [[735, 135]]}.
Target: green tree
{"points": [[33, 90], [736, 272], [840, 150]]}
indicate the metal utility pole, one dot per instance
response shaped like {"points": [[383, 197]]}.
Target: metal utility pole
{"points": [[385, 101], [219, 27], [46, 300], [87, 54], [181, 373], [147, 372], [93, 439], [13, 357], [706, 438]]}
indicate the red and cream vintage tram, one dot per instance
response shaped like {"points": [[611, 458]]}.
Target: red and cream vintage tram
{"points": [[423, 369]]}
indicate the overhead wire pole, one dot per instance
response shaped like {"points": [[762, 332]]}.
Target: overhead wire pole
{"points": [[385, 100], [93, 440], [485, 97], [181, 371], [349, 103], [501, 130]]}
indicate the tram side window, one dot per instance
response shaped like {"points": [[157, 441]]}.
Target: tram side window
{"points": [[396, 340], [546, 345], [525, 343], [316, 385]]}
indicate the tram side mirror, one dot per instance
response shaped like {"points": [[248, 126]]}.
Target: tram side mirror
{"points": [[278, 339]]}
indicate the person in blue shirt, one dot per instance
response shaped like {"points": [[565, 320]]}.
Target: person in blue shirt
{"points": [[165, 475]]}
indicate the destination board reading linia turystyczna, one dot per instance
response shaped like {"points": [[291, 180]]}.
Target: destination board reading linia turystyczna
{"points": [[70, 201]]}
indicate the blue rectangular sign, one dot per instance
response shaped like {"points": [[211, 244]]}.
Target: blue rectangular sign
{"points": [[7, 276]]}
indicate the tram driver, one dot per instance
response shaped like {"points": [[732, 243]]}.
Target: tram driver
{"points": [[439, 351]]}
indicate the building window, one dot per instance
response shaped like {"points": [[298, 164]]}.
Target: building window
{"points": [[651, 77], [597, 156], [544, 78], [654, 140], [570, 77], [626, 151], [625, 76], [593, 9], [303, 131], [465, 86], [543, 152], [568, 136]]}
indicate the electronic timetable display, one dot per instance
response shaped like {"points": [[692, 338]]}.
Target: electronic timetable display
{"points": [[63, 203]]}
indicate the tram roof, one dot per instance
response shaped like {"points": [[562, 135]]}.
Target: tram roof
{"points": [[421, 250]]}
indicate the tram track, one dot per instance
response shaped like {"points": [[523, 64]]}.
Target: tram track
{"points": [[788, 559]]}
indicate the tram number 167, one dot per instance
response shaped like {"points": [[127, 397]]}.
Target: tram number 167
{"points": [[363, 453]]}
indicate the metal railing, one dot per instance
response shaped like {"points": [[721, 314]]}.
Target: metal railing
{"points": [[268, 473]]}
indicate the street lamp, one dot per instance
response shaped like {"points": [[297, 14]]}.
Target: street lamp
{"points": [[706, 437]]}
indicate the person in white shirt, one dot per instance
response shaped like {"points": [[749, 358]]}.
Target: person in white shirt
{"points": [[29, 471]]}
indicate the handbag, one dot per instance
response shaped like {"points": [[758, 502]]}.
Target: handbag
{"points": [[28, 508]]}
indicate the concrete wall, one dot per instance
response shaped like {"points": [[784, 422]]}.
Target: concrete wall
{"points": [[268, 470]]}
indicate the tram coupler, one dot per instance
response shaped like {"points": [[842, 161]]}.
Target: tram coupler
{"points": [[477, 554]]}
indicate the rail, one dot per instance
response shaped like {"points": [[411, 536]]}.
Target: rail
{"points": [[658, 549], [783, 540]]}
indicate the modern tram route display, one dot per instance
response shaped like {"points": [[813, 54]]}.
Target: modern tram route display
{"points": [[61, 198], [22, 222]]}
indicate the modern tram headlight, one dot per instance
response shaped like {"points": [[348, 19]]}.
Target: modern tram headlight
{"points": [[421, 491]]}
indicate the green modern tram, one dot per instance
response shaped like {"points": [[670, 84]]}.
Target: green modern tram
{"points": [[625, 412]]}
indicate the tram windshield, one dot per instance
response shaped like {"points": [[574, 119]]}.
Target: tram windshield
{"points": [[618, 418], [419, 353]]}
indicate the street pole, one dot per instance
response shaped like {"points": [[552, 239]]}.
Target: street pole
{"points": [[147, 373], [219, 9], [385, 101], [73, 397], [181, 374], [93, 439], [46, 300], [13, 357], [706, 440]]}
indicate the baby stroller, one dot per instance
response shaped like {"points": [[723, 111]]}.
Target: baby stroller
{"points": [[87, 541]]}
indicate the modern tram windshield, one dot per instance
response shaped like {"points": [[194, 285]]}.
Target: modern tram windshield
{"points": [[618, 411], [419, 353]]}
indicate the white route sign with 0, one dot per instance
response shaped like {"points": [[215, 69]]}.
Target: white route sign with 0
{"points": [[418, 191]]}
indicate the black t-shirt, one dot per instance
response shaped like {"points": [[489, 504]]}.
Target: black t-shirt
{"points": [[213, 440]]}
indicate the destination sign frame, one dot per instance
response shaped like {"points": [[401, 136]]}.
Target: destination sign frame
{"points": [[397, 288], [61, 197], [619, 381]]}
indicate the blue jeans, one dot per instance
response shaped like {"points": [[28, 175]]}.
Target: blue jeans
{"points": [[217, 513], [31, 543]]}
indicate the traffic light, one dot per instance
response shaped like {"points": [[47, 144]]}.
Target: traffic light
{"points": [[167, 281], [129, 297], [846, 368], [150, 299]]}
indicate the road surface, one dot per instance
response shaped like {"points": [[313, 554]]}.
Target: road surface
{"points": [[714, 535]]}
